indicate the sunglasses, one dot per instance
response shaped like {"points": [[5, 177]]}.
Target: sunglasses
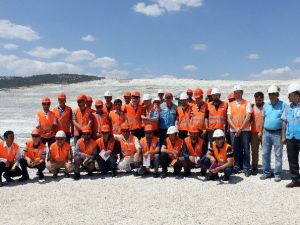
{"points": [[35, 136], [86, 134], [218, 138], [60, 139], [98, 106], [125, 131], [45, 103]]}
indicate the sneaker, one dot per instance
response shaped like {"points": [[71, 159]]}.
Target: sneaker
{"points": [[277, 179], [265, 176], [1, 184], [156, 175], [23, 178], [54, 176], [187, 174], [226, 178], [113, 174], [90, 174], [136, 173], [164, 175], [212, 176], [67, 175], [254, 171], [293, 184], [247, 173], [76, 176], [203, 172], [7, 178]]}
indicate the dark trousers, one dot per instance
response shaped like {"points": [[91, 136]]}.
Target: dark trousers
{"points": [[165, 161], [139, 133], [15, 173], [162, 135], [154, 163], [187, 166], [227, 171], [183, 134], [109, 165], [24, 165], [293, 148], [48, 141]]}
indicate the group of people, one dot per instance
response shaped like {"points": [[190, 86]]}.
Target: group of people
{"points": [[140, 135]]}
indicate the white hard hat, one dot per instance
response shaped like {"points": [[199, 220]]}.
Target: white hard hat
{"points": [[273, 89], [156, 99], [107, 94], [146, 97], [218, 133], [215, 91], [293, 87], [172, 130], [183, 96], [237, 87], [160, 91], [60, 134]]}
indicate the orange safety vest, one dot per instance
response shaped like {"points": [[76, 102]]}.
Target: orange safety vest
{"points": [[116, 121], [12, 154], [100, 120], [82, 119], [198, 116], [184, 118], [151, 122], [134, 116], [32, 152], [197, 151], [128, 148], [63, 121], [87, 148], [110, 145], [60, 155], [105, 109], [217, 118], [177, 147], [153, 145], [220, 155], [238, 114], [46, 125], [257, 118]]}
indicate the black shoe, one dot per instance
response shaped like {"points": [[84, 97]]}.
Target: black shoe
{"points": [[23, 178], [236, 170], [187, 174], [212, 176], [156, 175], [67, 175], [136, 173], [41, 176], [226, 178], [7, 178], [90, 174], [76, 176], [103, 173], [1, 184], [54, 176], [164, 175], [176, 173], [203, 172], [247, 173], [113, 174], [254, 171]]}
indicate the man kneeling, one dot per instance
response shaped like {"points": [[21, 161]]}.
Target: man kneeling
{"points": [[60, 155], [220, 157]]}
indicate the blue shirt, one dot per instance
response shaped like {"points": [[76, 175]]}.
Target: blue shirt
{"points": [[272, 115], [167, 116], [291, 115]]}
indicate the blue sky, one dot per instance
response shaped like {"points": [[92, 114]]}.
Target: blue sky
{"points": [[204, 39]]}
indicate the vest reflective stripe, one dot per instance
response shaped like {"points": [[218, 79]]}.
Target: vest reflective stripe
{"points": [[46, 124], [60, 155], [257, 119], [198, 119], [197, 151], [167, 116], [184, 118], [81, 119], [153, 145], [63, 121], [116, 121], [128, 149], [221, 156], [217, 118], [34, 153], [110, 145], [238, 114], [12, 154], [293, 123], [177, 147], [134, 116], [87, 149], [99, 121]]}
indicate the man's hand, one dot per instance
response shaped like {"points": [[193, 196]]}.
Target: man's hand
{"points": [[259, 135], [283, 140]]}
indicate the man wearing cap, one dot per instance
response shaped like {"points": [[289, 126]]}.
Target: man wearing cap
{"points": [[171, 152], [167, 116], [109, 148], [150, 152], [108, 106], [46, 122], [183, 115], [34, 155], [100, 118], [219, 157], [60, 155], [82, 116], [230, 98], [150, 114], [208, 96], [63, 115], [10, 156], [160, 94], [117, 117], [192, 151], [89, 103], [272, 130], [86, 153], [238, 116], [291, 132], [127, 97], [134, 112], [190, 99], [256, 128], [215, 114], [130, 149]]}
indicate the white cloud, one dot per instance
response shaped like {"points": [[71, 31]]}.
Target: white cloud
{"points": [[88, 38], [46, 53], [104, 63], [11, 31], [199, 47], [115, 74], [161, 6], [10, 46], [297, 60], [277, 73], [190, 68], [26, 67], [225, 75], [253, 56], [79, 56]]}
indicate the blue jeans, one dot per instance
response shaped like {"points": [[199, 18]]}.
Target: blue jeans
{"points": [[241, 150], [272, 138], [227, 171]]}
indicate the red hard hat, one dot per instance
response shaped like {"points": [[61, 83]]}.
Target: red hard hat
{"points": [[86, 129], [98, 102], [189, 91], [46, 100], [81, 97], [230, 96], [127, 94], [89, 98], [136, 93], [62, 96], [198, 93], [208, 92], [168, 94], [36, 132], [193, 129], [105, 128], [124, 126], [148, 127]]}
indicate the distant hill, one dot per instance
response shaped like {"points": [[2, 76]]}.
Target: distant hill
{"points": [[15, 82]]}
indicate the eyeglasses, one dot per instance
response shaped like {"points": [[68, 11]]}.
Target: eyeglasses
{"points": [[86, 134], [135, 97], [60, 139], [98, 106], [45, 103], [125, 131], [218, 138], [35, 136]]}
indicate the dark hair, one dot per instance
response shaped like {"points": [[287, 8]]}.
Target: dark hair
{"points": [[297, 93], [259, 94], [7, 133], [118, 101]]}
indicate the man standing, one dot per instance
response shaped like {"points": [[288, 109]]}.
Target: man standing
{"points": [[291, 133], [117, 117], [272, 134], [190, 99], [160, 95], [150, 114], [239, 114], [183, 116], [108, 106], [100, 118], [127, 97]]}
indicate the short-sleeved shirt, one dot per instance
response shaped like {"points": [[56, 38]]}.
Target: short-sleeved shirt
{"points": [[167, 116], [272, 115], [229, 152], [248, 110]]}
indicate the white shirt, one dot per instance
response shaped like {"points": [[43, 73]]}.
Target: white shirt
{"points": [[248, 110], [136, 141], [18, 154]]}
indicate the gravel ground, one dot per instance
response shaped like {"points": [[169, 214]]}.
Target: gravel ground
{"points": [[133, 200]]}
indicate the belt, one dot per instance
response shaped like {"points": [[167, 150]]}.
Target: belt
{"points": [[273, 131]]}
